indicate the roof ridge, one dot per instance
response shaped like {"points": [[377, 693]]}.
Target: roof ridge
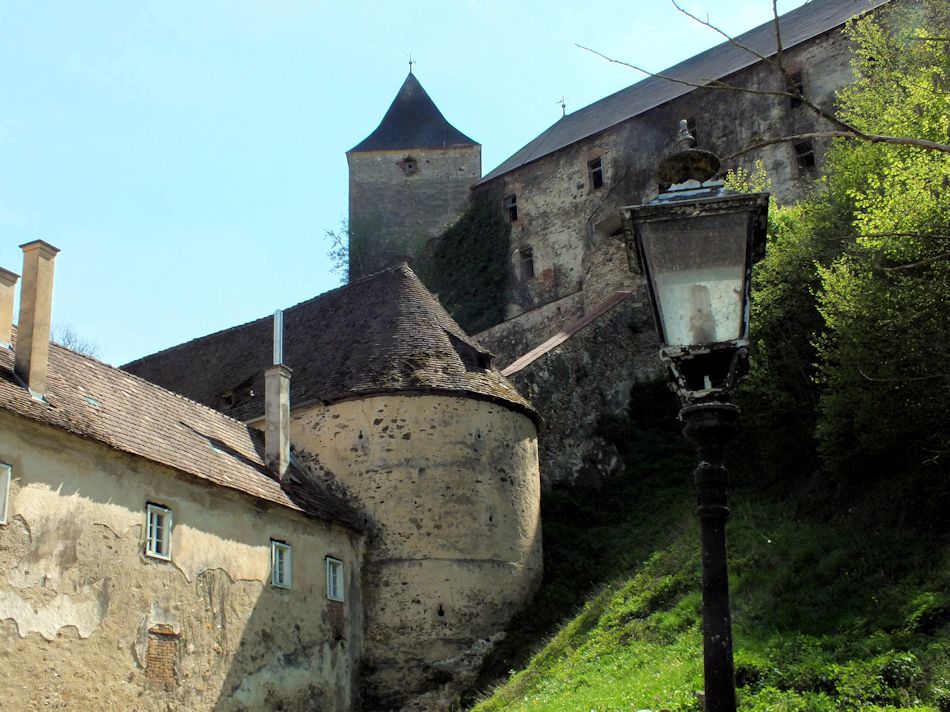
{"points": [[129, 374], [236, 327], [827, 12]]}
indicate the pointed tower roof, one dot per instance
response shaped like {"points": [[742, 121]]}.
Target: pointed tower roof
{"points": [[413, 121]]}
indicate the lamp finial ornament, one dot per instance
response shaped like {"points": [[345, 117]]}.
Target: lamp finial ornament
{"points": [[685, 140], [687, 163]]}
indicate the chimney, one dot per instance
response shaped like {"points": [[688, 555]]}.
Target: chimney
{"points": [[277, 406], [36, 307], [8, 282]]}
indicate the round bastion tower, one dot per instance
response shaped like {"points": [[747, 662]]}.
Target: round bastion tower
{"points": [[409, 181], [439, 454]]}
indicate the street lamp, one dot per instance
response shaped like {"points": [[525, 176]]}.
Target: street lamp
{"points": [[695, 244]]}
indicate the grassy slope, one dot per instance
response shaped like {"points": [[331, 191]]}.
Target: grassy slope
{"points": [[830, 612]]}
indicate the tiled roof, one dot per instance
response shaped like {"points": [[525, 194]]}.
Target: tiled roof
{"points": [[97, 401], [382, 334], [800, 25], [413, 121]]}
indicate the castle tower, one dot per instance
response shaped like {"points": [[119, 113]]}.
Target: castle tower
{"points": [[409, 180]]}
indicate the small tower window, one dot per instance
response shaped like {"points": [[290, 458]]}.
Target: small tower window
{"points": [[805, 154], [595, 172], [409, 165], [527, 262], [511, 208], [799, 87]]}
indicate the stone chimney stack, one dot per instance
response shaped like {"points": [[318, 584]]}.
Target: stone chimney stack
{"points": [[8, 282], [36, 308], [277, 406]]}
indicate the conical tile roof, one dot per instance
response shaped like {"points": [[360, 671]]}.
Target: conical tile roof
{"points": [[382, 334], [413, 121]]}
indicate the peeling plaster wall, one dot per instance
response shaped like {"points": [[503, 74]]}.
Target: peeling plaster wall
{"points": [[86, 620], [394, 214], [450, 491]]}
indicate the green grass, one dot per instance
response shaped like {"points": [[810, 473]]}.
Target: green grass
{"points": [[831, 612]]}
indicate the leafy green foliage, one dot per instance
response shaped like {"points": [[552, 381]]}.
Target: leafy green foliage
{"points": [[467, 266], [884, 355], [851, 337]]}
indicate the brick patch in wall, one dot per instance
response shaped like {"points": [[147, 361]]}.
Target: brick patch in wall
{"points": [[161, 655], [336, 615]]}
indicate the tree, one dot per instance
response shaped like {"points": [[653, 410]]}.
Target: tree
{"points": [[850, 327], [66, 335], [884, 356]]}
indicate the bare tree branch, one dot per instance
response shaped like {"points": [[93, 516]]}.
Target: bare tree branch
{"points": [[850, 133], [731, 40], [714, 83], [920, 263], [844, 129], [929, 377]]}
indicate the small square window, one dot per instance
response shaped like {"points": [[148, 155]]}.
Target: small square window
{"points": [[409, 165], [511, 208], [334, 579], [805, 154], [281, 562], [5, 472], [595, 172], [158, 531]]}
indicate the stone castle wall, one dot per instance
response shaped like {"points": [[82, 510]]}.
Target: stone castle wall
{"points": [[450, 491], [562, 218], [87, 621], [399, 200], [588, 375]]}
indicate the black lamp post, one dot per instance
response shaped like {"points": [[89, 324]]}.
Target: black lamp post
{"points": [[695, 244]]}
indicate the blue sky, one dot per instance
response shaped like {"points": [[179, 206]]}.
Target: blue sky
{"points": [[188, 157]]}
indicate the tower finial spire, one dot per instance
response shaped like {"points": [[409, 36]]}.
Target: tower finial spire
{"points": [[411, 62]]}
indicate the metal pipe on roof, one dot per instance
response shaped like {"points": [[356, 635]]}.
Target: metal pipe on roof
{"points": [[278, 337]]}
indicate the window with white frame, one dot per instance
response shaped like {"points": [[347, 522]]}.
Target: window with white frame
{"points": [[5, 472], [280, 564], [334, 579], [158, 531]]}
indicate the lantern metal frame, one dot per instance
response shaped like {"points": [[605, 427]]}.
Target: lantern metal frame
{"points": [[703, 371]]}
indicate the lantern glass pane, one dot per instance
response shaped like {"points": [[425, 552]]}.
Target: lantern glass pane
{"points": [[697, 266]]}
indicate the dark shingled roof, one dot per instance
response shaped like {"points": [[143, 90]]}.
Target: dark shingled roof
{"points": [[413, 121], [97, 401], [382, 334], [800, 25]]}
